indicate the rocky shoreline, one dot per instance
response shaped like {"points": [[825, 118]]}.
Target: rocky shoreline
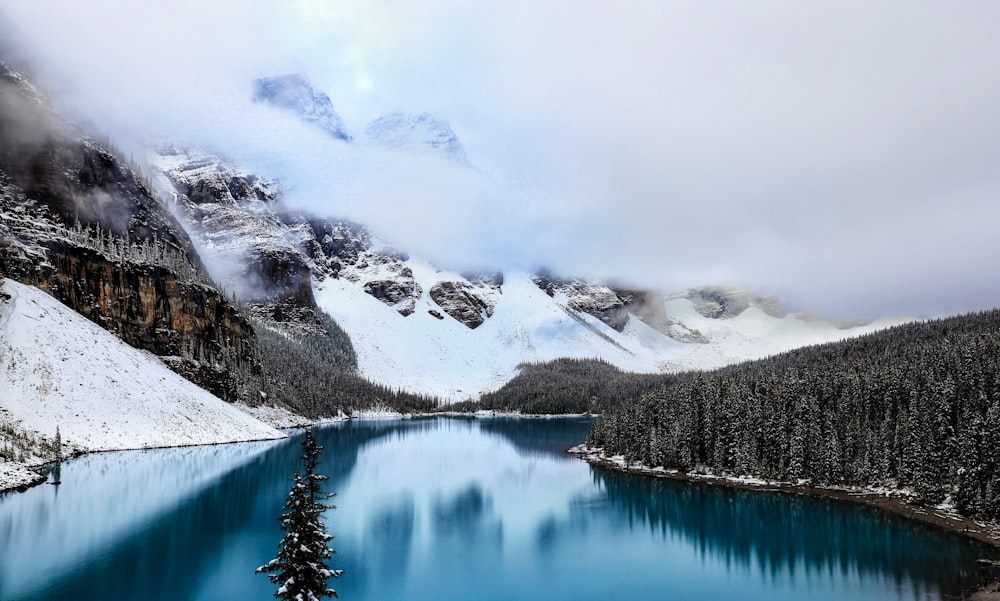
{"points": [[893, 501]]}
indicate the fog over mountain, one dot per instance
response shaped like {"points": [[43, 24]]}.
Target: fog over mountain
{"points": [[839, 155]]}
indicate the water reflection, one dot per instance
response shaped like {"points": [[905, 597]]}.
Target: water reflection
{"points": [[450, 509], [539, 436], [391, 533], [780, 535]]}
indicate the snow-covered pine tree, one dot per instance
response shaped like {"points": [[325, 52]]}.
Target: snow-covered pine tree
{"points": [[300, 569]]}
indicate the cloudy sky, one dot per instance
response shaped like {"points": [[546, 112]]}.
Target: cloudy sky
{"points": [[844, 156]]}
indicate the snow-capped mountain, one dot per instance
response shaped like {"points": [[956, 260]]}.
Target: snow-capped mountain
{"points": [[427, 329], [416, 133], [421, 133], [293, 93], [143, 273]]}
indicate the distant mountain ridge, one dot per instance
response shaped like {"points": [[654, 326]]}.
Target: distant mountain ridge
{"points": [[415, 133]]}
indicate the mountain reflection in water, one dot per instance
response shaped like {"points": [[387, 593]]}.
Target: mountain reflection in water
{"points": [[452, 508]]}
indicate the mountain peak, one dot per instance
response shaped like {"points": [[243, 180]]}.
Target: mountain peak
{"points": [[293, 93], [419, 133]]}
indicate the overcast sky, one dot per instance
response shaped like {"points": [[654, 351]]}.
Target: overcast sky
{"points": [[844, 156]]}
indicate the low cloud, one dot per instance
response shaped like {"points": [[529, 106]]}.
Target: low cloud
{"points": [[841, 155]]}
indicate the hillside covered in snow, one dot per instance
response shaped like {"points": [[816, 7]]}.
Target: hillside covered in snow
{"points": [[439, 355], [61, 370]]}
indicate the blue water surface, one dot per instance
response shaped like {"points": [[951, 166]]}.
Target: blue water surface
{"points": [[453, 509]]}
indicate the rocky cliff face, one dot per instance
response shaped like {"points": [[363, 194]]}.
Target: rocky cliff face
{"points": [[233, 217], [459, 299], [616, 306], [79, 223], [269, 254]]}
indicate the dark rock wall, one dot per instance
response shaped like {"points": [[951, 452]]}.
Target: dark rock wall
{"points": [[52, 178]]}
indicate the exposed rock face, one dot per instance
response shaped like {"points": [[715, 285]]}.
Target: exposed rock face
{"points": [[460, 300], [78, 223], [203, 179], [74, 177], [294, 94], [332, 245], [592, 298], [399, 294], [233, 216], [723, 302], [421, 133], [269, 255]]}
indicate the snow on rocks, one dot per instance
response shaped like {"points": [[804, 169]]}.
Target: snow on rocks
{"points": [[378, 413], [16, 475], [59, 369]]}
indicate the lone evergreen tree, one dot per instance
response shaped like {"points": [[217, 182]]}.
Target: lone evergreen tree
{"points": [[300, 570]]}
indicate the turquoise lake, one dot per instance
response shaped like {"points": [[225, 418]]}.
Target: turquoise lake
{"points": [[454, 509]]}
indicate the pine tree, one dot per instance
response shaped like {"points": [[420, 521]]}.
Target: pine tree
{"points": [[300, 569]]}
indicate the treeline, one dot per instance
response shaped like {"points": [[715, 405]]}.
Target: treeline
{"points": [[569, 386], [147, 251], [916, 406], [314, 373]]}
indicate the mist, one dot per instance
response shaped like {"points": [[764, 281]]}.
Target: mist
{"points": [[839, 155]]}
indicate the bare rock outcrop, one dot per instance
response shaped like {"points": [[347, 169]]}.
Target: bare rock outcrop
{"points": [[460, 300]]}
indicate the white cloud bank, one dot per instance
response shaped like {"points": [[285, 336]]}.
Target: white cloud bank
{"points": [[842, 155]]}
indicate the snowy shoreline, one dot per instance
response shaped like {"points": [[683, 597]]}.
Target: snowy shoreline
{"points": [[18, 477], [892, 500]]}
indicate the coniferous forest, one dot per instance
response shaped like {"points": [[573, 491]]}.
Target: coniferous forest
{"points": [[915, 406], [568, 386], [315, 373]]}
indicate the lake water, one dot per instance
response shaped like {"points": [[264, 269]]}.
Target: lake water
{"points": [[453, 509]]}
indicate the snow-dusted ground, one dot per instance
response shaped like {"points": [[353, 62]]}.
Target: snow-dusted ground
{"points": [[445, 358], [14, 475], [59, 369]]}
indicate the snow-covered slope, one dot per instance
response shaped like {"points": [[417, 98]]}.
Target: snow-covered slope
{"points": [[59, 369], [437, 355]]}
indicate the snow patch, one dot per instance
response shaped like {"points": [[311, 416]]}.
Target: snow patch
{"points": [[15, 475]]}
